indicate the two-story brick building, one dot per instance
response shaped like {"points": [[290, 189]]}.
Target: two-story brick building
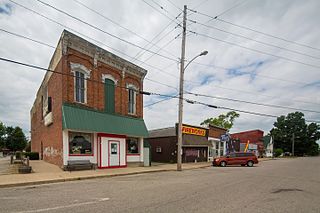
{"points": [[89, 107], [253, 139]]}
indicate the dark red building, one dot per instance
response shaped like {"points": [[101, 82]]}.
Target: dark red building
{"points": [[195, 144], [255, 140]]}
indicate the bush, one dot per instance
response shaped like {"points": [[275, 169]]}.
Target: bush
{"points": [[18, 155], [278, 152], [32, 155]]}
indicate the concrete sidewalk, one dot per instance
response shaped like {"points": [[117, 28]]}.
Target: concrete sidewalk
{"points": [[49, 173]]}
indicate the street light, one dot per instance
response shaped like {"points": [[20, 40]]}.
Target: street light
{"points": [[182, 69]]}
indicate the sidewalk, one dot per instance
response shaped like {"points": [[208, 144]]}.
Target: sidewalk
{"points": [[49, 173]]}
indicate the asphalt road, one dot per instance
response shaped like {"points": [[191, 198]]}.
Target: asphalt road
{"points": [[287, 185]]}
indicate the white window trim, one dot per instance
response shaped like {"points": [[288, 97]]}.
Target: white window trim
{"points": [[110, 77], [132, 86], [75, 67]]}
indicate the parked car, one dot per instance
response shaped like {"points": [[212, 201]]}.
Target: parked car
{"points": [[237, 158]]}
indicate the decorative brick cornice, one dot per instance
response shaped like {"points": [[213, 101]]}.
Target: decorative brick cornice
{"points": [[98, 54]]}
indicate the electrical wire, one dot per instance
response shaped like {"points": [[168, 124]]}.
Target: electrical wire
{"points": [[158, 10], [255, 50], [101, 30], [250, 102], [256, 74], [160, 101], [119, 25], [254, 30], [88, 37], [141, 91], [161, 70], [258, 41], [154, 81], [141, 52]]}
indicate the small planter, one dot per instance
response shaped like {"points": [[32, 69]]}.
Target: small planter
{"points": [[25, 169]]}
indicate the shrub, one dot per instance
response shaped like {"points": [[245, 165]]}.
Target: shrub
{"points": [[278, 152], [18, 155], [32, 155]]}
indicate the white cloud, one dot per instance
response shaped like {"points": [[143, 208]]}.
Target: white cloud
{"points": [[293, 20]]}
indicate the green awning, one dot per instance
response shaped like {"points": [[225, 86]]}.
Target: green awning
{"points": [[77, 118]]}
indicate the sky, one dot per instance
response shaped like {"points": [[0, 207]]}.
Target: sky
{"points": [[279, 67]]}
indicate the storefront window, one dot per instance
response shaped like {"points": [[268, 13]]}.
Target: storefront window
{"points": [[132, 146], [80, 143], [217, 145]]}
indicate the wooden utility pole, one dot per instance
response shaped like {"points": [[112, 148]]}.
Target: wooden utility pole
{"points": [[183, 46]]}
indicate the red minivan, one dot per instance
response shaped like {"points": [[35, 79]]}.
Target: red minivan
{"points": [[237, 158]]}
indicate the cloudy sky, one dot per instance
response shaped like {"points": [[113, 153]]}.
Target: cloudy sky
{"points": [[280, 67]]}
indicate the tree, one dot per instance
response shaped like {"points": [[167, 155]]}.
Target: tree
{"points": [[15, 139], [2, 134], [223, 120], [294, 127]]}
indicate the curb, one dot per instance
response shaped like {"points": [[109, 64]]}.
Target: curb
{"points": [[41, 182]]}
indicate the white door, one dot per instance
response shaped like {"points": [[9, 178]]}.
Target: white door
{"points": [[114, 153]]}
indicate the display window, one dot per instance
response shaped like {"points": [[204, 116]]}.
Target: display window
{"points": [[80, 143]]}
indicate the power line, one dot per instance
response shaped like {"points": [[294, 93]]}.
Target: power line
{"points": [[116, 23], [266, 34], [161, 70], [239, 110], [231, 8], [154, 81], [253, 30], [158, 10], [160, 101], [256, 74], [103, 31], [164, 46], [251, 39], [17, 35], [72, 75], [253, 103], [141, 52], [99, 42], [255, 50], [140, 91]]}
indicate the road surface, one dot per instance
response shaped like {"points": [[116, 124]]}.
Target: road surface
{"points": [[286, 185]]}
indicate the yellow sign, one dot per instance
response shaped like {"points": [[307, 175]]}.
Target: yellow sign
{"points": [[193, 131]]}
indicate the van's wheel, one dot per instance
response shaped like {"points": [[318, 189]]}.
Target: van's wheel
{"points": [[223, 164], [250, 163]]}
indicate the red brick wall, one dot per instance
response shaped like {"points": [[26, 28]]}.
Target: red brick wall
{"points": [[95, 90], [49, 136], [61, 89], [216, 132], [254, 136]]}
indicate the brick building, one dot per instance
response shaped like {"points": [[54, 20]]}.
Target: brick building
{"points": [[89, 108], [195, 144], [218, 147], [255, 139]]}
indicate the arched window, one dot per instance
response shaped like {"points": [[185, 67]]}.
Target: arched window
{"points": [[109, 92], [132, 99], [81, 73]]}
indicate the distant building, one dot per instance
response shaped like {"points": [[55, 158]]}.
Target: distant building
{"points": [[218, 147], [89, 108], [254, 139], [164, 144], [268, 145]]}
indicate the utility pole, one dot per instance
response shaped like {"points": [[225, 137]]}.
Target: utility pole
{"points": [[183, 46], [293, 144]]}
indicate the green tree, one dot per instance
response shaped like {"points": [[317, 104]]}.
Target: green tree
{"points": [[294, 126], [2, 134], [223, 120], [15, 139]]}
